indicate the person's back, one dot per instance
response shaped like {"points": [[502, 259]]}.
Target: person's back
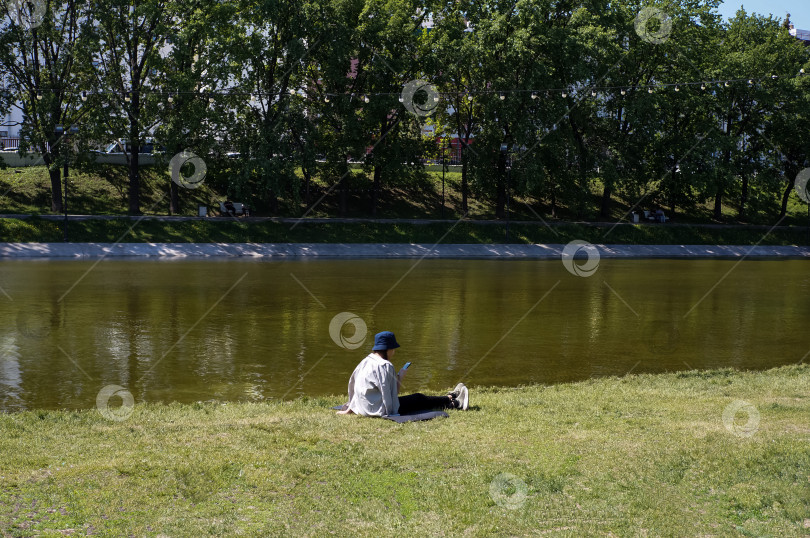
{"points": [[373, 388]]}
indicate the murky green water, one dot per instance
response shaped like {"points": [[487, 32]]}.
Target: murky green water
{"points": [[248, 330]]}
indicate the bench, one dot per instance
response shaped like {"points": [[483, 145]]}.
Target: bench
{"points": [[649, 215], [239, 209]]}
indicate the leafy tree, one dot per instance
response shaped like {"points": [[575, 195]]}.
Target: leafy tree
{"points": [[455, 60], [39, 55], [389, 34], [195, 101], [127, 60]]}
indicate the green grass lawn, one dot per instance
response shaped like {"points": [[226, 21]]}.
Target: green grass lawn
{"points": [[103, 189], [221, 230], [641, 455]]}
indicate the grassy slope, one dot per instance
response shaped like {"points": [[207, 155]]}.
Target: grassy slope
{"points": [[231, 231], [639, 455], [25, 191], [103, 191]]}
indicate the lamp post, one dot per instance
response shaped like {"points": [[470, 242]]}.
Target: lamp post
{"points": [[444, 168], [505, 152], [508, 182]]}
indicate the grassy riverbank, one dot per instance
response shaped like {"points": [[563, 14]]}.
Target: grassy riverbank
{"points": [[216, 230], [640, 455], [103, 190]]}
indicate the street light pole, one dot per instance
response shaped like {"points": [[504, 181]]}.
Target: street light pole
{"points": [[444, 167], [508, 162], [65, 204], [508, 181]]}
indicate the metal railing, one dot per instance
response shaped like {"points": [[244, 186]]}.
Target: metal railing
{"points": [[13, 143], [10, 142]]}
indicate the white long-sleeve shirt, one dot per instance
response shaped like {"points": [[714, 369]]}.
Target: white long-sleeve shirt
{"points": [[373, 388]]}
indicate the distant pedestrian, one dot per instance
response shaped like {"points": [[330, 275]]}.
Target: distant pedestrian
{"points": [[229, 208]]}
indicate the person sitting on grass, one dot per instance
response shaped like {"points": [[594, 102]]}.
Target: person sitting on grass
{"points": [[374, 387]]}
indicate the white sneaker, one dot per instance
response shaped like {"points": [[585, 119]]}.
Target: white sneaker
{"points": [[456, 391], [463, 396]]}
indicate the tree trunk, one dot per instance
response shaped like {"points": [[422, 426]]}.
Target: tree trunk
{"points": [[134, 170], [743, 195], [343, 181], [375, 188], [718, 196], [500, 188], [604, 211], [582, 193], [305, 171], [174, 199], [464, 189], [785, 198], [134, 182], [56, 185], [553, 204], [672, 195], [718, 203], [272, 202], [721, 183]]}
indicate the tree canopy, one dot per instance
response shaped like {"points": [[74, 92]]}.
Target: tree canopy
{"points": [[658, 102]]}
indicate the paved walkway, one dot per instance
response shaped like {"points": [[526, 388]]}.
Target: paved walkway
{"points": [[369, 250]]}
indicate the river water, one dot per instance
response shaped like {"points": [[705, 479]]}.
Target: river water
{"points": [[241, 330]]}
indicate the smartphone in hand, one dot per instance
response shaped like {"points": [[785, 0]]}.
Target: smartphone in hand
{"points": [[407, 365]]}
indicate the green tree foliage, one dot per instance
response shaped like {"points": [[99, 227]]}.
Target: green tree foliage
{"points": [[580, 104], [40, 59], [127, 63]]}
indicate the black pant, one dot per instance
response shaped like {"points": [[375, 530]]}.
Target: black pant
{"points": [[418, 402]]}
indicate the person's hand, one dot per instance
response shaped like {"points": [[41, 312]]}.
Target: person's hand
{"points": [[402, 374]]}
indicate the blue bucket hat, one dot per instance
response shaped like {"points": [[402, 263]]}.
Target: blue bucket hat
{"points": [[384, 340]]}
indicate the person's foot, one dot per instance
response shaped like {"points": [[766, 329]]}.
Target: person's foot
{"points": [[462, 399], [456, 391]]}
